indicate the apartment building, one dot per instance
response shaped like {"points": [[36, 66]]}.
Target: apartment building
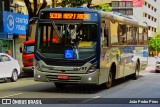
{"points": [[148, 13], [139, 10]]}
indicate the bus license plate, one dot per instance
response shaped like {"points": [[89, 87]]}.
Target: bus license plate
{"points": [[63, 77]]}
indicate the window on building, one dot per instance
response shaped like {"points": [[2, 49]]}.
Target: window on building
{"points": [[149, 27], [115, 4], [122, 4], [149, 17], [145, 14], [129, 11], [115, 10], [129, 4], [122, 11], [155, 29], [155, 9], [149, 5], [145, 3], [155, 20]]}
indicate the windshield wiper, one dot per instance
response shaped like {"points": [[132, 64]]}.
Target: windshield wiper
{"points": [[55, 27]]}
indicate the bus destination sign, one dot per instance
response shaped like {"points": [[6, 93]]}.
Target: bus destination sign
{"points": [[66, 15], [70, 16]]}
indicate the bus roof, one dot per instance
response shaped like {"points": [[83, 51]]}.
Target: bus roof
{"points": [[78, 8], [29, 42], [109, 15], [121, 18]]}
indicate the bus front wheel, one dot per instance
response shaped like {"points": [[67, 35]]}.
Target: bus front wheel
{"points": [[59, 85], [110, 81]]}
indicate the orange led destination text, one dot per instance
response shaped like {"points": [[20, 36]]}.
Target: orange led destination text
{"points": [[76, 16], [55, 15]]}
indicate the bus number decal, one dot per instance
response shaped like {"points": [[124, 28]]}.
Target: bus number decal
{"points": [[79, 68]]}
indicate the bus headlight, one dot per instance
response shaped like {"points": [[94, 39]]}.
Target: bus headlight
{"points": [[38, 66], [92, 68]]}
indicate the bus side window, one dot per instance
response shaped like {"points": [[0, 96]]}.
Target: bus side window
{"points": [[106, 37], [122, 28]]}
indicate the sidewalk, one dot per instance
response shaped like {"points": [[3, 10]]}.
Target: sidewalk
{"points": [[151, 65], [151, 61]]}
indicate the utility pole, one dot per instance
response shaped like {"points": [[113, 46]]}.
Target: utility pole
{"points": [[53, 3]]}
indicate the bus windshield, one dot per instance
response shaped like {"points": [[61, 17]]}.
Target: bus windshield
{"points": [[54, 39]]}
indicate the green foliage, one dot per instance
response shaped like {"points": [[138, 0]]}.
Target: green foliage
{"points": [[104, 7], [73, 3], [154, 43]]}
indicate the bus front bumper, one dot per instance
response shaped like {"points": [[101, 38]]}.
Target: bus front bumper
{"points": [[90, 78]]}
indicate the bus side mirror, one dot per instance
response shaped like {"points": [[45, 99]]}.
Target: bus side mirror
{"points": [[20, 50]]}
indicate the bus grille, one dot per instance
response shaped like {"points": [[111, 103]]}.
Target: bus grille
{"points": [[54, 78], [56, 63]]}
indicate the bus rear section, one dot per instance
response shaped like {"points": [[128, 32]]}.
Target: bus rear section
{"points": [[74, 58]]}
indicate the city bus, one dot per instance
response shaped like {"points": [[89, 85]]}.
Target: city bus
{"points": [[94, 47]]}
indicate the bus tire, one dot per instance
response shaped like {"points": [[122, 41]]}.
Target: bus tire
{"points": [[135, 75], [59, 85], [110, 80], [156, 71]]}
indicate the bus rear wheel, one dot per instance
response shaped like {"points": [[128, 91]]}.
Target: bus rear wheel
{"points": [[59, 85], [135, 75]]}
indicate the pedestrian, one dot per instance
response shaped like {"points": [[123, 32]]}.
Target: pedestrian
{"points": [[9, 52]]}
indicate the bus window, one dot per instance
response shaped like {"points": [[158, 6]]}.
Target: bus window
{"points": [[145, 33], [106, 37], [122, 29], [141, 36], [114, 33], [133, 37]]}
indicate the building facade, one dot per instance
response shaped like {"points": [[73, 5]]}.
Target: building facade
{"points": [[12, 27], [148, 13], [143, 11]]}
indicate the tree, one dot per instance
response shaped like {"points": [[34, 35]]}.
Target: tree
{"points": [[154, 43], [33, 12], [73, 3], [104, 7]]}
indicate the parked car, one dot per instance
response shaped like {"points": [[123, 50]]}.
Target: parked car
{"points": [[157, 67], [9, 67]]}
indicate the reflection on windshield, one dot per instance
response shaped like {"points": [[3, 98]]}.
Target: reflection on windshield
{"points": [[54, 41]]}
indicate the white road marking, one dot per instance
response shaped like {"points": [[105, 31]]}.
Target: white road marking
{"points": [[11, 95], [91, 99]]}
